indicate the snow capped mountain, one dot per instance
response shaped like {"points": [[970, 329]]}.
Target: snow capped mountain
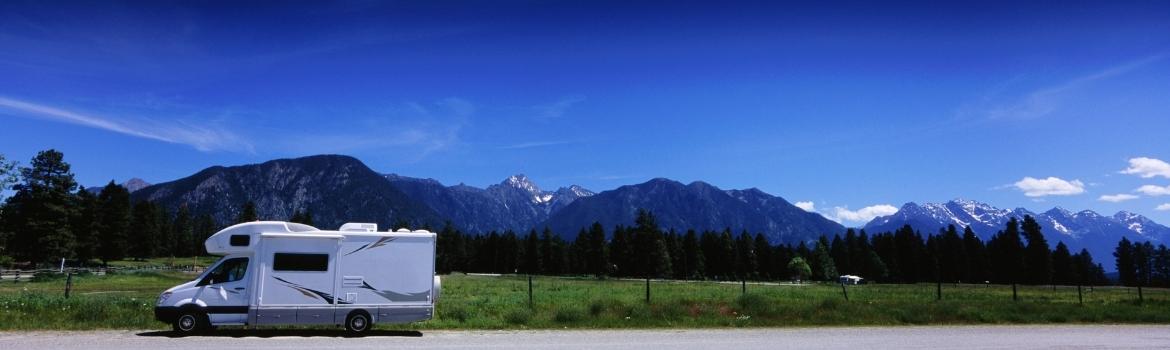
{"points": [[1084, 229], [1142, 225], [516, 203]]}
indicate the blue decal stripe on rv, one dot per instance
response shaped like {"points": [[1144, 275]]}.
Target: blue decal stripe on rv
{"points": [[309, 292], [379, 243]]}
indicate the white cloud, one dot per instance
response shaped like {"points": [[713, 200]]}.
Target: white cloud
{"points": [[1163, 207], [1147, 168], [1115, 198], [201, 136], [808, 206], [1051, 186], [525, 145], [1153, 191], [841, 214]]}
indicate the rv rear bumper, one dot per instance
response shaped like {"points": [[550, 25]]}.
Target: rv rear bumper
{"points": [[166, 314]]}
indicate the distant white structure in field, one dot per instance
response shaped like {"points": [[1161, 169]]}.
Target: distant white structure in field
{"points": [[850, 279]]}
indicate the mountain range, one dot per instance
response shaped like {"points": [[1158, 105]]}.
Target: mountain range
{"points": [[338, 189], [1084, 229]]}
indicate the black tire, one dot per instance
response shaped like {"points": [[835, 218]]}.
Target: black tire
{"points": [[190, 322], [358, 322]]}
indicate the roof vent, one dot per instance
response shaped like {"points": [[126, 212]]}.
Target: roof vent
{"points": [[359, 227], [403, 230]]}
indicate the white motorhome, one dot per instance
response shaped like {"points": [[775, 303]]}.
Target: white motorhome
{"points": [[280, 273]]}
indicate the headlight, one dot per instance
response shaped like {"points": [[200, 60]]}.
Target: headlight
{"points": [[163, 298]]}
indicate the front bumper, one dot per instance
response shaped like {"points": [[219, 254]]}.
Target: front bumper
{"points": [[166, 314]]}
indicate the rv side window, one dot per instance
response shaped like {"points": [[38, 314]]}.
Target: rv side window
{"points": [[300, 262], [230, 270], [240, 240]]}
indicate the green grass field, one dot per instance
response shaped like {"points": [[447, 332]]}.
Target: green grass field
{"points": [[126, 301]]}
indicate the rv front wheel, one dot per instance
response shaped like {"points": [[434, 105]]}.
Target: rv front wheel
{"points": [[189, 322], [357, 322]]}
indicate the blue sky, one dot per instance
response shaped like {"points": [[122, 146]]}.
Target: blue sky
{"points": [[842, 105]]}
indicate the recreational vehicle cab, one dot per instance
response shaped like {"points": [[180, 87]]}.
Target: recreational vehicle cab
{"points": [[281, 273]]}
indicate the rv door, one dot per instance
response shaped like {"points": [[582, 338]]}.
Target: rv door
{"points": [[224, 291]]}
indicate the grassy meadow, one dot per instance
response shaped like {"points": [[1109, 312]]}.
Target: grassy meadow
{"points": [[126, 301]]}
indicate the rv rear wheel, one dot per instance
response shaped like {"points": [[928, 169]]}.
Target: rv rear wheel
{"points": [[358, 322], [189, 322]]}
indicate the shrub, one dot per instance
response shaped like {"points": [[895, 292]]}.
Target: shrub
{"points": [[518, 316], [568, 315]]}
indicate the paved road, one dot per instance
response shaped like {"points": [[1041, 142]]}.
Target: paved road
{"points": [[958, 337]]}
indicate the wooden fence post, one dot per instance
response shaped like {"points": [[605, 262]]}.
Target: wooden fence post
{"points": [[844, 292], [1015, 297], [1080, 297], [68, 284], [530, 291], [647, 289]]}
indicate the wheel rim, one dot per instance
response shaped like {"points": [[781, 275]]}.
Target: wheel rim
{"points": [[187, 322], [358, 323]]}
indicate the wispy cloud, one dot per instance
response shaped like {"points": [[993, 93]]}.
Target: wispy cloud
{"points": [[408, 131], [1051, 186], [202, 137], [557, 109], [1163, 207], [536, 144], [1044, 101], [617, 177]]}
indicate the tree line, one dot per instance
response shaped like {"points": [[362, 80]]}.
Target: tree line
{"points": [[49, 217], [1017, 254]]}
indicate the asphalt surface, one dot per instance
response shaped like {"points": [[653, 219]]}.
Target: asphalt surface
{"points": [[943, 337]]}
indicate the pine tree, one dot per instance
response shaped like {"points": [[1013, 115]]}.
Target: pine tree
{"points": [[1143, 261], [952, 255], [165, 234], [1062, 265], [596, 251], [144, 231], [85, 226], [532, 259], [205, 226], [726, 254], [693, 262], [650, 247], [763, 257], [247, 213], [822, 262], [976, 255], [114, 222], [39, 213], [840, 253], [1037, 257], [746, 262], [184, 232], [1126, 264], [1006, 252], [621, 253]]}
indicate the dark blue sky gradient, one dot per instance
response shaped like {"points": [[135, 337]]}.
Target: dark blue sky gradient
{"points": [[844, 104]]}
